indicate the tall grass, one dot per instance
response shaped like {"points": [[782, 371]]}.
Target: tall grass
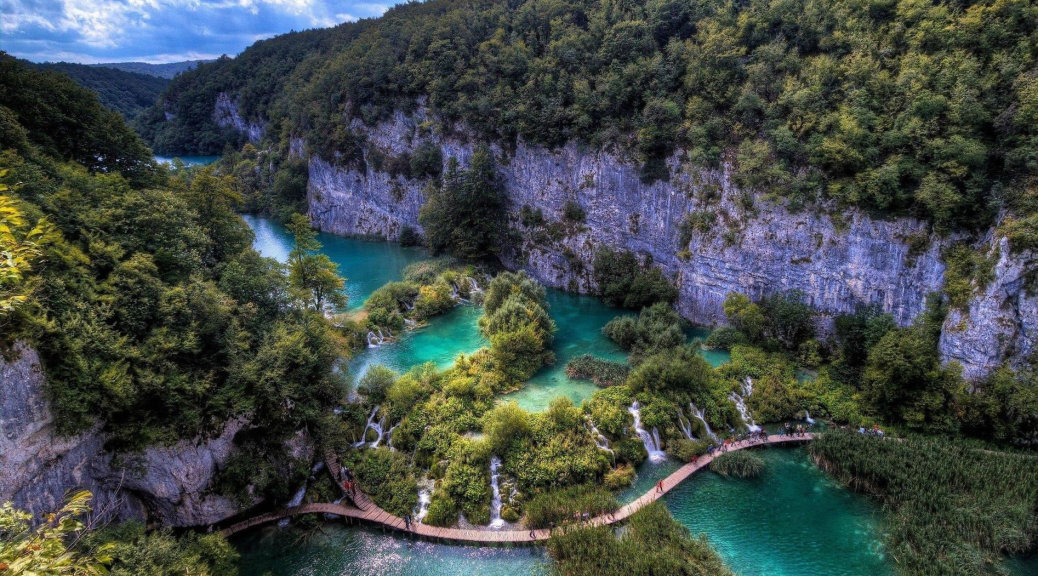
{"points": [[955, 509], [653, 544], [602, 372], [740, 464], [568, 505]]}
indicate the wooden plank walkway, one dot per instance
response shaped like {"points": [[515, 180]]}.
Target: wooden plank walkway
{"points": [[366, 510]]}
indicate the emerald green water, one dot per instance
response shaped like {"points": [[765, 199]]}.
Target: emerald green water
{"points": [[793, 522], [368, 265]]}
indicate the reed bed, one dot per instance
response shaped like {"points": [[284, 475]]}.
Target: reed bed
{"points": [[953, 509]]}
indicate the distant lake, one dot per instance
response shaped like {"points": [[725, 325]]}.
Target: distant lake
{"points": [[188, 160]]}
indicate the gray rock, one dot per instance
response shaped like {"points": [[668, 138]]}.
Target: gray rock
{"points": [[755, 246], [38, 466], [226, 115]]}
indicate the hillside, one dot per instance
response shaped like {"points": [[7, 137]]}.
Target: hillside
{"points": [[167, 71], [128, 93], [902, 107]]}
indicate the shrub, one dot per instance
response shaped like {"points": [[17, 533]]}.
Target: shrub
{"points": [[620, 477], [738, 464], [574, 212], [442, 510], [685, 450], [724, 338], [410, 237], [656, 328], [386, 476]]}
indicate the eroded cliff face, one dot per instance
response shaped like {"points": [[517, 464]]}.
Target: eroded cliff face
{"points": [[168, 485], [735, 242], [226, 115]]}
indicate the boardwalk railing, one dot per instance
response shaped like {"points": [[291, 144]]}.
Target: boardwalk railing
{"points": [[369, 512]]}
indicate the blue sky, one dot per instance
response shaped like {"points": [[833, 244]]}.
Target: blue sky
{"points": [[91, 31]]}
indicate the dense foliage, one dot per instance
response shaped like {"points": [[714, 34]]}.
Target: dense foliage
{"points": [[956, 508], [623, 280], [517, 323], [926, 107], [656, 328], [128, 93], [152, 314], [569, 505], [464, 216], [48, 112], [63, 542], [653, 543]]}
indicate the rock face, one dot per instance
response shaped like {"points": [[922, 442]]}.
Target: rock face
{"points": [[225, 114], [707, 234], [1002, 320], [169, 485]]}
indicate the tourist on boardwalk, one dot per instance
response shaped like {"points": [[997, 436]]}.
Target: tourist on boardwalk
{"points": [[659, 486], [407, 522]]}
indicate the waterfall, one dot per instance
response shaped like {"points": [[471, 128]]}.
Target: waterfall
{"points": [[424, 499], [698, 413], [600, 440], [377, 339], [740, 404], [296, 500], [389, 436], [651, 441], [372, 425], [455, 295], [495, 502], [808, 418], [473, 286], [685, 425]]}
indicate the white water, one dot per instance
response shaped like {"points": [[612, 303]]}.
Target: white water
{"points": [[698, 413], [424, 499], [600, 440], [651, 441], [372, 425], [808, 418], [296, 500], [495, 502], [389, 436], [685, 425], [377, 339], [740, 404]]}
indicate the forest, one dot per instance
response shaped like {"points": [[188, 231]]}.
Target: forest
{"points": [[128, 93], [897, 106]]}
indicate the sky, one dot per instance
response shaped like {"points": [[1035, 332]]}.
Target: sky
{"points": [[159, 31]]}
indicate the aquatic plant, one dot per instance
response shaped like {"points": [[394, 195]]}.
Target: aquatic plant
{"points": [[567, 505], [740, 464], [602, 372], [954, 508]]}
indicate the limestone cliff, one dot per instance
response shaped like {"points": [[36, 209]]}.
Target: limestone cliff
{"points": [[168, 485], [736, 242], [226, 115]]}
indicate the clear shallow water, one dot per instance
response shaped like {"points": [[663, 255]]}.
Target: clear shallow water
{"points": [[367, 265], [342, 550], [188, 160], [792, 521]]}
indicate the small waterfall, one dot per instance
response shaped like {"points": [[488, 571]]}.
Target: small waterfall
{"points": [[698, 413], [808, 418], [685, 425], [495, 502], [600, 440], [740, 404], [389, 436], [407, 305], [410, 323], [372, 425], [651, 441], [424, 499], [296, 500], [376, 338], [455, 295], [473, 286]]}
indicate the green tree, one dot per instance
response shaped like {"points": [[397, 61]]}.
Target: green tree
{"points": [[464, 216], [313, 276], [50, 548]]}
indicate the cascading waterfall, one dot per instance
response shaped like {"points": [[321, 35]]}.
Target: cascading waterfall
{"points": [[372, 425], [297, 498], [651, 441], [808, 418], [698, 413], [474, 286], [600, 440], [685, 425], [740, 404], [389, 436], [422, 510], [376, 338], [495, 502]]}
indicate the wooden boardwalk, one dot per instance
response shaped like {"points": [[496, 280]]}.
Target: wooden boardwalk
{"points": [[366, 510]]}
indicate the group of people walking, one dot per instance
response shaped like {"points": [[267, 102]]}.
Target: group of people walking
{"points": [[798, 430]]}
